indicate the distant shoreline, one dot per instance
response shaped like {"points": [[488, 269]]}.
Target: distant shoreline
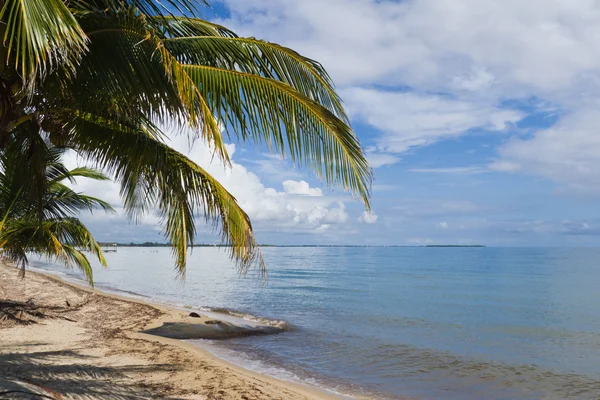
{"points": [[153, 244]]}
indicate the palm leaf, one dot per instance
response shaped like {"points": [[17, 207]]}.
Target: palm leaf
{"points": [[126, 61], [262, 58], [81, 172], [154, 8], [38, 35], [63, 201], [151, 173], [57, 239], [45, 226], [174, 26], [274, 113]]}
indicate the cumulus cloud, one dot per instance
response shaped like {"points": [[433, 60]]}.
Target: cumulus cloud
{"points": [[368, 217], [302, 188]]}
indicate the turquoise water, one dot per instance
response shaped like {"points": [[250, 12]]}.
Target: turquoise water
{"points": [[426, 323]]}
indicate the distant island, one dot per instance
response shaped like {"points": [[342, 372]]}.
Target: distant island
{"points": [[455, 245], [156, 244]]}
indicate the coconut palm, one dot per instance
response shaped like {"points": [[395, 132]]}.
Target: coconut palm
{"points": [[57, 235], [100, 77]]}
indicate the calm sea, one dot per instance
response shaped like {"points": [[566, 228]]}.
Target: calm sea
{"points": [[426, 323]]}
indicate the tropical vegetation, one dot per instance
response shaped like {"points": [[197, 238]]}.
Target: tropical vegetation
{"points": [[107, 79], [46, 225]]}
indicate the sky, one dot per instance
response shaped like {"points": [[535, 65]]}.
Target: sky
{"points": [[480, 118]]}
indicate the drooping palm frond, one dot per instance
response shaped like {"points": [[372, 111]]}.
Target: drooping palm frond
{"points": [[261, 91], [38, 35], [81, 172], [268, 111], [150, 172], [62, 239], [63, 201]]}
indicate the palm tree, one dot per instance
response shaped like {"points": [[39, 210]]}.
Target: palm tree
{"points": [[57, 234], [100, 77]]}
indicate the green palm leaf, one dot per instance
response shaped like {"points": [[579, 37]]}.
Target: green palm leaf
{"points": [[81, 172], [173, 26], [127, 60], [268, 111], [38, 35], [262, 58], [47, 226], [54, 238], [152, 173]]}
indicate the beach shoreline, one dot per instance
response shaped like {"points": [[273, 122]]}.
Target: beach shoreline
{"points": [[74, 340]]}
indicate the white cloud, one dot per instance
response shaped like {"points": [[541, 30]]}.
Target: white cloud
{"points": [[302, 188], [377, 160], [568, 153], [368, 217], [273, 168], [512, 47], [442, 225], [410, 119], [478, 79]]}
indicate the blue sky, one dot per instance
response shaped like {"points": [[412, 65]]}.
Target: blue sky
{"points": [[480, 117]]}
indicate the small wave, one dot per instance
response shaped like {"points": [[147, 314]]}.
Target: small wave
{"points": [[281, 324]]}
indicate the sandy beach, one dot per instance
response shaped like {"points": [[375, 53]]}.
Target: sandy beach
{"points": [[64, 341]]}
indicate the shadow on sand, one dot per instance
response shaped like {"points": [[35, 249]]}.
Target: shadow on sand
{"points": [[54, 375]]}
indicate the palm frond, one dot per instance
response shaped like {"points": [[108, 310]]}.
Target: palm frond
{"points": [[127, 60], [81, 172], [62, 201], [268, 111], [39, 218], [174, 26], [152, 173], [39, 35], [262, 58], [154, 8], [58, 239]]}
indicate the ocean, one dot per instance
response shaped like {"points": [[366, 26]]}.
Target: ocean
{"points": [[402, 322]]}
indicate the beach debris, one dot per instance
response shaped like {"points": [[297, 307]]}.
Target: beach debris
{"points": [[29, 312], [213, 322], [195, 315]]}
